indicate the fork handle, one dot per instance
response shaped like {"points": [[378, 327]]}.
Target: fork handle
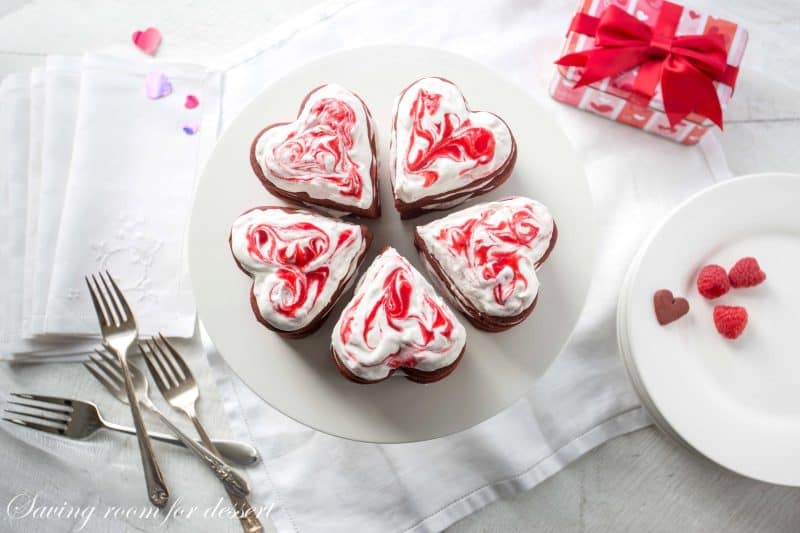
{"points": [[233, 451], [248, 518], [156, 487], [229, 477]]}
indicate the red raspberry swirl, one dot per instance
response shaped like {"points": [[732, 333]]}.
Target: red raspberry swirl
{"points": [[489, 247], [394, 310], [447, 138], [295, 249], [319, 149]]}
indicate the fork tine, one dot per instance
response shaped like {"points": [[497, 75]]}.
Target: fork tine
{"points": [[38, 416], [177, 359], [157, 353], [46, 399], [169, 361], [110, 361], [106, 382], [102, 317], [111, 301], [106, 355], [154, 365], [121, 297], [112, 318], [41, 408], [107, 359], [113, 373], [34, 425], [166, 361]]}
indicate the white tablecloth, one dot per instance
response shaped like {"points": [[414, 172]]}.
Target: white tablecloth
{"points": [[318, 482]]}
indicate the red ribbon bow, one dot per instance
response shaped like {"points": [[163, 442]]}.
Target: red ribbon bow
{"points": [[687, 66]]}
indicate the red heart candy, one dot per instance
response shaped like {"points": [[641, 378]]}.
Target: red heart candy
{"points": [[191, 101], [147, 41], [668, 308], [694, 14]]}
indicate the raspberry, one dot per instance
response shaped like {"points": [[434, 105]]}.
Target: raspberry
{"points": [[746, 273], [712, 282], [730, 320]]}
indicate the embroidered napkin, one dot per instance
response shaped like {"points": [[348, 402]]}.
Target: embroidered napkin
{"points": [[16, 94], [129, 193], [583, 400]]}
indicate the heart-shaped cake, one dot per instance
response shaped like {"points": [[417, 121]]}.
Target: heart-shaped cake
{"points": [[396, 321], [485, 258], [442, 152], [300, 262], [326, 158]]}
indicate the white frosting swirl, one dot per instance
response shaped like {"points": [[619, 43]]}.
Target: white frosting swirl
{"points": [[326, 152], [439, 145], [297, 259], [490, 252], [395, 320]]}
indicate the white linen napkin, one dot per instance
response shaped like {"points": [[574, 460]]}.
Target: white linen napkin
{"points": [[62, 89], [32, 193], [14, 131], [129, 194], [15, 136], [582, 401]]}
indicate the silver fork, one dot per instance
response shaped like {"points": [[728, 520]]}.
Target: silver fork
{"points": [[119, 331], [105, 368], [104, 371], [76, 419], [178, 387]]}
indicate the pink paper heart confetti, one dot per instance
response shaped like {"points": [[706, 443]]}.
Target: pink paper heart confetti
{"points": [[147, 41], [191, 101], [157, 85], [190, 128]]}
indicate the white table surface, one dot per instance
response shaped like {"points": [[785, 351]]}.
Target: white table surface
{"points": [[639, 482]]}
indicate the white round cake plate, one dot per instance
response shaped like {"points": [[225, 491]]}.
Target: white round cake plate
{"points": [[298, 377], [733, 401], [630, 366]]}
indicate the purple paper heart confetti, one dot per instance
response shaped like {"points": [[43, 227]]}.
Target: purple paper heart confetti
{"points": [[190, 128], [157, 85]]}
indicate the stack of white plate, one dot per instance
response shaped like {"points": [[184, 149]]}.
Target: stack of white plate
{"points": [[736, 402]]}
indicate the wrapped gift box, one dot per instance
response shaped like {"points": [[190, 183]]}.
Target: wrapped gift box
{"points": [[672, 29]]}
